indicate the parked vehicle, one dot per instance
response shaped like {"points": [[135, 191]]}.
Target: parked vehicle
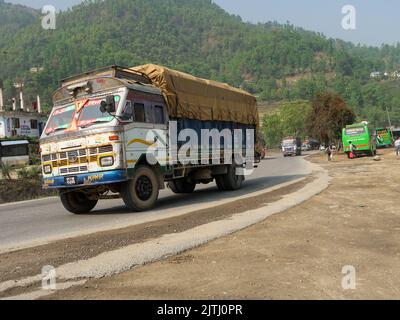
{"points": [[362, 138], [14, 152], [291, 146], [113, 133], [383, 138]]}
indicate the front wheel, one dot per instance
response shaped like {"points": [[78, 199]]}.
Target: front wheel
{"points": [[141, 192], [77, 202]]}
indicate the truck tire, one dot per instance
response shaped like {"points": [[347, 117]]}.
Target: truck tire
{"points": [[181, 186], [77, 202], [230, 181], [141, 192], [219, 180]]}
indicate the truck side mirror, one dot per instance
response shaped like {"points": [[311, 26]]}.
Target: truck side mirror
{"points": [[127, 113], [108, 105]]}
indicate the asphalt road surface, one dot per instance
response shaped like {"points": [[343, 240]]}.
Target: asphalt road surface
{"points": [[35, 222]]}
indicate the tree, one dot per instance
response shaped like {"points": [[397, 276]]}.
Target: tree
{"points": [[289, 120], [293, 116], [272, 130], [330, 114]]}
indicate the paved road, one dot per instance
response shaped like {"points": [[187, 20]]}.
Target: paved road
{"points": [[35, 222]]}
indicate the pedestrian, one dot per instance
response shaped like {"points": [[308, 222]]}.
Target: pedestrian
{"points": [[353, 148], [329, 152], [397, 146]]}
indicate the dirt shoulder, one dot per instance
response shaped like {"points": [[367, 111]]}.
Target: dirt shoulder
{"points": [[13, 265], [297, 254]]}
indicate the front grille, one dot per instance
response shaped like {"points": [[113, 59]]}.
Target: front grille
{"points": [[73, 153], [106, 149], [73, 170], [63, 155], [83, 156]]}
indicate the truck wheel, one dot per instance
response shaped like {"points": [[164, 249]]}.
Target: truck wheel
{"points": [[77, 202], [141, 192], [232, 181], [220, 183], [181, 186]]}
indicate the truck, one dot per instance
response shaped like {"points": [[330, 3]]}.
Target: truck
{"points": [[291, 146], [362, 137], [126, 133], [383, 138]]}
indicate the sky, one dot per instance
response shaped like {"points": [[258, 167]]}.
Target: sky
{"points": [[377, 21]]}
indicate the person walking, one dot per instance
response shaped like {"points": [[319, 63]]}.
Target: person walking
{"points": [[353, 148], [397, 146], [329, 152]]}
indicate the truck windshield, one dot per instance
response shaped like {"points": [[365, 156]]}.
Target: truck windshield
{"points": [[91, 114], [63, 118], [288, 143], [60, 119]]}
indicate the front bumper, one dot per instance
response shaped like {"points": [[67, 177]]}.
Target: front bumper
{"points": [[87, 179]]}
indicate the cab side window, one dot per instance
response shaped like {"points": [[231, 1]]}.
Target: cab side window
{"points": [[139, 114], [159, 115]]}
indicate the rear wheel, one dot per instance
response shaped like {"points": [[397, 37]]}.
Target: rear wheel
{"points": [[181, 186], [77, 202], [141, 192], [231, 180], [220, 183]]}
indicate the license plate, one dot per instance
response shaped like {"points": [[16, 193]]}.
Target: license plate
{"points": [[70, 181]]}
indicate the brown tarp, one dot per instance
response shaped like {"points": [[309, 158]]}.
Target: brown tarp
{"points": [[195, 98]]}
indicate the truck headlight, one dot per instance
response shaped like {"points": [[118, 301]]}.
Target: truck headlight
{"points": [[47, 169], [107, 161]]}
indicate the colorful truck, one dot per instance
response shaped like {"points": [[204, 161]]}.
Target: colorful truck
{"points": [[291, 146], [361, 137], [124, 133], [383, 138]]}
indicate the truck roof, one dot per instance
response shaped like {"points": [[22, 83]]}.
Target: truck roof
{"points": [[113, 71]]}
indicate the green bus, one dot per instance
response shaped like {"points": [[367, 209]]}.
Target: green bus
{"points": [[362, 137], [383, 138]]}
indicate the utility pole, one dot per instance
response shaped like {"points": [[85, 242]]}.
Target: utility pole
{"points": [[36, 70], [390, 121]]}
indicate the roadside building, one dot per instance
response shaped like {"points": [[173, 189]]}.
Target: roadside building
{"points": [[375, 75], [21, 123], [19, 120]]}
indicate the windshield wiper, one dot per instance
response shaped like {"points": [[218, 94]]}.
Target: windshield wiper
{"points": [[93, 123], [56, 129]]}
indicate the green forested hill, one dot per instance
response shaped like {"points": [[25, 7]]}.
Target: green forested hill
{"points": [[275, 62]]}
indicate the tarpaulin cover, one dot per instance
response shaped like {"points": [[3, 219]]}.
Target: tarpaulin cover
{"points": [[190, 97]]}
